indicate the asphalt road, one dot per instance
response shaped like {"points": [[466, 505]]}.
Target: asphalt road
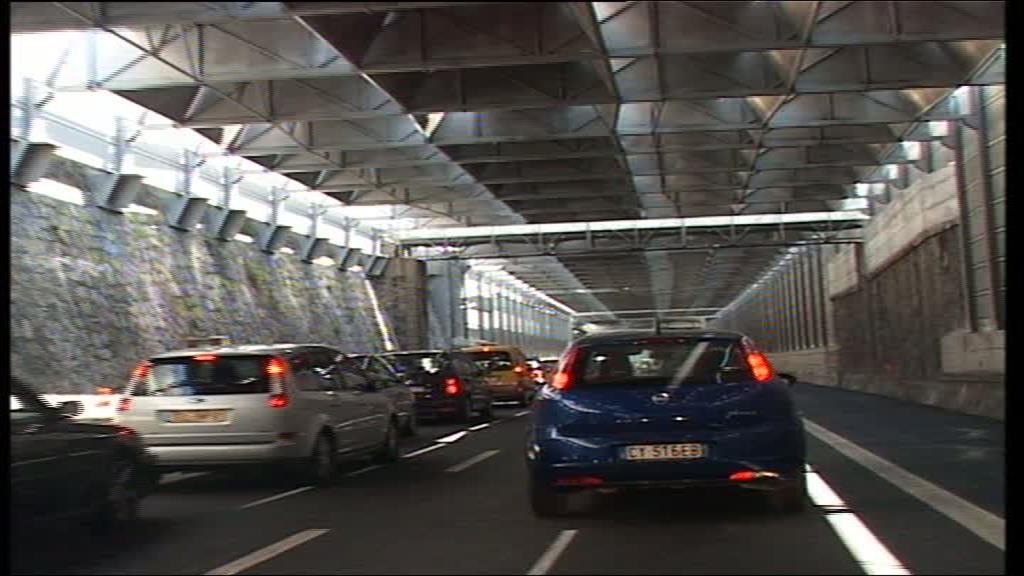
{"points": [[461, 508]]}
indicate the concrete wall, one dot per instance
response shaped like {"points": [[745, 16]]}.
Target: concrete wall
{"points": [[402, 294], [93, 292]]}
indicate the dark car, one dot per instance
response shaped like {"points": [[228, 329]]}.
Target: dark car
{"points": [[63, 469], [388, 380], [636, 409], [445, 384]]}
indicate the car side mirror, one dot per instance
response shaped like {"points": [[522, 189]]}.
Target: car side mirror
{"points": [[789, 378], [71, 408]]}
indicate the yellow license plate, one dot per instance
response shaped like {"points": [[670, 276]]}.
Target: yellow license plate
{"points": [[688, 451], [197, 416]]}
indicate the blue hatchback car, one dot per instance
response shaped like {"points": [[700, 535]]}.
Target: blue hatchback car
{"points": [[679, 409]]}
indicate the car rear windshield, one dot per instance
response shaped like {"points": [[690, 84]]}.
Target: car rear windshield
{"points": [[492, 360], [658, 360], [222, 375], [429, 362]]}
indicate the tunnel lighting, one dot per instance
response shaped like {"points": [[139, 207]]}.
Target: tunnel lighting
{"points": [[938, 128], [862, 189], [912, 149], [892, 171], [618, 225]]}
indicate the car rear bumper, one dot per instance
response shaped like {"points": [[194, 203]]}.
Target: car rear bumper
{"points": [[438, 407], [777, 448], [226, 454]]}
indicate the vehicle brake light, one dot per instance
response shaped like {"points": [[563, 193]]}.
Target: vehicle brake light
{"points": [[760, 366], [276, 367], [563, 379], [451, 386], [519, 369], [142, 370], [746, 475], [124, 404], [204, 358], [277, 400]]}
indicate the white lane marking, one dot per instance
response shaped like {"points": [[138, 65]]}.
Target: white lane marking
{"points": [[984, 524], [452, 437], [423, 450], [479, 426], [362, 470], [521, 413], [179, 476], [863, 545], [268, 552], [276, 497], [550, 556], [474, 460]]}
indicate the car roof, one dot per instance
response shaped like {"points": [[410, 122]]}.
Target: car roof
{"points": [[237, 350], [403, 352], [619, 335], [490, 347]]}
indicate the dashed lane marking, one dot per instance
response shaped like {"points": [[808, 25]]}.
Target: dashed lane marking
{"points": [[521, 413], [179, 476], [276, 497], [268, 552], [474, 460], [423, 450], [362, 471], [479, 426], [550, 556], [869, 552], [984, 524], [452, 437]]}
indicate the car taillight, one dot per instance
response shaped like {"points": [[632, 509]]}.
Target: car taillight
{"points": [[759, 366], [579, 481], [204, 358], [563, 379], [276, 370], [124, 404], [140, 374], [519, 369], [452, 386]]}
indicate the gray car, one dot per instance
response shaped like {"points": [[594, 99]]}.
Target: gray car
{"points": [[395, 386], [301, 405]]}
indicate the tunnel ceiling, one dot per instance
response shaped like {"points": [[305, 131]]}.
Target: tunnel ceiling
{"points": [[555, 112]]}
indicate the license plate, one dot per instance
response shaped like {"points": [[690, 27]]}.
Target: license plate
{"points": [[664, 452], [417, 389], [196, 416]]}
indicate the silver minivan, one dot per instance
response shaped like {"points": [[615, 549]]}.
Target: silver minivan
{"points": [[303, 405]]}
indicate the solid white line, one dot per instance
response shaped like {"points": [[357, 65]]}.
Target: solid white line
{"points": [[479, 426], [550, 556], [423, 450], [863, 545], [474, 460], [984, 524], [362, 471], [452, 437], [522, 413], [266, 553], [179, 476], [276, 497]]}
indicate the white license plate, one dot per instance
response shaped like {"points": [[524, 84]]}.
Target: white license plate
{"points": [[196, 416], [417, 389], [687, 451]]}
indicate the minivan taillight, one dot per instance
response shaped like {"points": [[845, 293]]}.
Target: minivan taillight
{"points": [[563, 379], [759, 366], [276, 370], [140, 374], [124, 404], [452, 386]]}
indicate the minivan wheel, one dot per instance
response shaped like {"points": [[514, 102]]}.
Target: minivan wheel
{"points": [[388, 451], [322, 463], [411, 427], [546, 502], [120, 506], [791, 498]]}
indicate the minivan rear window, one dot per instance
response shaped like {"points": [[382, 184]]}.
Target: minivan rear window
{"points": [[186, 376], [429, 362], [659, 360], [495, 361]]}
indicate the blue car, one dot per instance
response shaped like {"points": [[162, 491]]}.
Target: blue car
{"points": [[680, 409]]}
